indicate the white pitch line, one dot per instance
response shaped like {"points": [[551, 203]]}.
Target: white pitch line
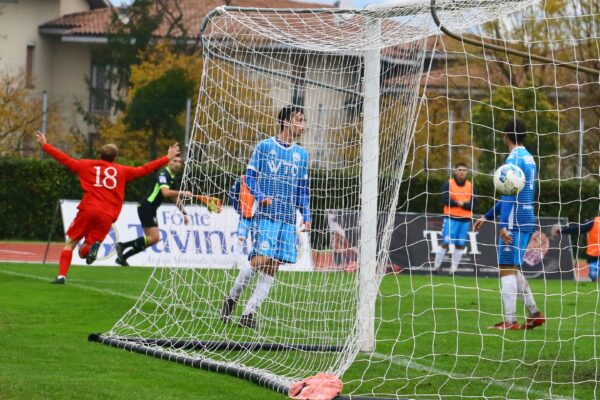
{"points": [[16, 252], [405, 362], [77, 285], [398, 360]]}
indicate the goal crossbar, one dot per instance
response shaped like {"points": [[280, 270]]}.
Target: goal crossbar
{"points": [[480, 42]]}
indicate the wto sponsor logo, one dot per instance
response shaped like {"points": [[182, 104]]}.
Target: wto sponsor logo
{"points": [[288, 167]]}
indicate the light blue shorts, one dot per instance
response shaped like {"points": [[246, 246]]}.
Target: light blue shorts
{"points": [[512, 254], [455, 231], [275, 239], [244, 227], [594, 270]]}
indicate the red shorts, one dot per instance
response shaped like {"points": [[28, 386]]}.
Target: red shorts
{"points": [[94, 226]]}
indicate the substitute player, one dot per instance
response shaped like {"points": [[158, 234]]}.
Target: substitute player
{"points": [[592, 228], [458, 200], [162, 188], [277, 177], [517, 223], [103, 183]]}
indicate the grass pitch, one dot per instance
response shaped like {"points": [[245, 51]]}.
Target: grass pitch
{"points": [[44, 352], [426, 321]]}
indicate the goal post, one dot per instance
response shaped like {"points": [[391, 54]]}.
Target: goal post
{"points": [[369, 193], [391, 105]]}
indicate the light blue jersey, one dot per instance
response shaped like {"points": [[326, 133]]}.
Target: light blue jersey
{"points": [[279, 172], [517, 213]]}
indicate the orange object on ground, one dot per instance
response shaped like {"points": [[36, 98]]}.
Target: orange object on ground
{"points": [[319, 387]]}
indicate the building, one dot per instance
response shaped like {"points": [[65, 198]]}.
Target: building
{"points": [[48, 63], [56, 42]]}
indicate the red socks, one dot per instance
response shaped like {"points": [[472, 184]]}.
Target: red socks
{"points": [[65, 262]]}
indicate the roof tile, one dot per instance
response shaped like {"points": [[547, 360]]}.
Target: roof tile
{"points": [[97, 22]]}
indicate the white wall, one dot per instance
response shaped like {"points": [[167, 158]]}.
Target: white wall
{"points": [[68, 66], [73, 6], [58, 68], [19, 28]]}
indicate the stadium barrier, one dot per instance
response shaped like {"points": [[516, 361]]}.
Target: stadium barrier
{"points": [[416, 237], [31, 189]]}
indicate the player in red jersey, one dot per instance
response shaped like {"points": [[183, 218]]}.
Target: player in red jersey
{"points": [[103, 183]]}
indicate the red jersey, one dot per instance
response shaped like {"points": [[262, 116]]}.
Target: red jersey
{"points": [[103, 182]]}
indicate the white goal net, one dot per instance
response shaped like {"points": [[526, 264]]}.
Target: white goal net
{"points": [[392, 107]]}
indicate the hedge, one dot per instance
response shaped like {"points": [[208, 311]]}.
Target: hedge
{"points": [[30, 191], [31, 188]]}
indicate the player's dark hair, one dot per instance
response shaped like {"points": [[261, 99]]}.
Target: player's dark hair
{"points": [[515, 130], [287, 112], [109, 152], [460, 164]]}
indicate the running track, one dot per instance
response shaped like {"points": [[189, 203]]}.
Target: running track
{"points": [[29, 252], [34, 253]]}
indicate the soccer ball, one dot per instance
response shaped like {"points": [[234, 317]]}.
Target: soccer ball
{"points": [[509, 179]]}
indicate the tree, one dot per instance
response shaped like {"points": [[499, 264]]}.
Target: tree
{"points": [[133, 32], [554, 33], [154, 107], [531, 106], [21, 116], [431, 142]]}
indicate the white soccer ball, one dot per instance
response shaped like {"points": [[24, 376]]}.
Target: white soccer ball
{"points": [[509, 179]]}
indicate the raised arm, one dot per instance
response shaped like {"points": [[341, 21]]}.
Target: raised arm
{"points": [[137, 172], [58, 155]]}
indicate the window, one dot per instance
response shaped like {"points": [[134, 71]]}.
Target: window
{"points": [[29, 67], [100, 90]]}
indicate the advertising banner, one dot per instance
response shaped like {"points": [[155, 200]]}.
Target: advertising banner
{"points": [[207, 242], [416, 238]]}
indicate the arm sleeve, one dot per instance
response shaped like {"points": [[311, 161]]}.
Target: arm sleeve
{"points": [[234, 194], [136, 172], [578, 228], [508, 202], [61, 157], [445, 194], [470, 206], [446, 200], [303, 199], [493, 212], [252, 183]]}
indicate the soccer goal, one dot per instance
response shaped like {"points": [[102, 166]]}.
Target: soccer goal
{"points": [[395, 97]]}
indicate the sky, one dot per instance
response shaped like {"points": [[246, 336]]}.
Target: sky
{"points": [[356, 3]]}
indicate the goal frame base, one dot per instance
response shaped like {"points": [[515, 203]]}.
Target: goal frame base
{"points": [[142, 346]]}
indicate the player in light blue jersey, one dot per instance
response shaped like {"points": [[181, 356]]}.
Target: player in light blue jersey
{"points": [[517, 223], [277, 177]]}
